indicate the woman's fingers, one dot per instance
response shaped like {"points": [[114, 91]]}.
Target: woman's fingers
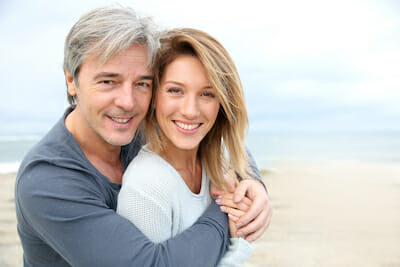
{"points": [[227, 200], [234, 214]]}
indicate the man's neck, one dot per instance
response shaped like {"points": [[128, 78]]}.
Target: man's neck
{"points": [[105, 157]]}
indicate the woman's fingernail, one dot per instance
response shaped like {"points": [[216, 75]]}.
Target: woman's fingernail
{"points": [[220, 196], [223, 208], [230, 215], [218, 201]]}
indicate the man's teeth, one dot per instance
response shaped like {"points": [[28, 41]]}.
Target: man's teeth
{"points": [[120, 120], [187, 126]]}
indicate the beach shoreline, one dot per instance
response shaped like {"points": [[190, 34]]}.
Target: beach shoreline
{"points": [[335, 213]]}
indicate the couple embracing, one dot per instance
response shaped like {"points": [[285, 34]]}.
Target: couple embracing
{"points": [[143, 167]]}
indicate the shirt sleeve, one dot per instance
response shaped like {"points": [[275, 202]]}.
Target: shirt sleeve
{"points": [[70, 216], [254, 168], [239, 251]]}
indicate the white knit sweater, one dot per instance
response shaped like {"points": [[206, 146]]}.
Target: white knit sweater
{"points": [[156, 199]]}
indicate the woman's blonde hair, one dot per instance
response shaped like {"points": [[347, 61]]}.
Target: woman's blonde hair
{"points": [[230, 127]]}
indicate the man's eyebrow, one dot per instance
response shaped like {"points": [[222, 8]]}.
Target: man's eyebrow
{"points": [[113, 75], [146, 77], [105, 75]]}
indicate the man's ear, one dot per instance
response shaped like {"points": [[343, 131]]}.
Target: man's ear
{"points": [[70, 83]]}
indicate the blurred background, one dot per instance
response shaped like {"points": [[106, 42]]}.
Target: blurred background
{"points": [[314, 72], [322, 85]]}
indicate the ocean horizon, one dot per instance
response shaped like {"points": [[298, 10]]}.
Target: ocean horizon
{"points": [[268, 149]]}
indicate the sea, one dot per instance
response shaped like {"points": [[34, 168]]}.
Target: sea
{"points": [[268, 149]]}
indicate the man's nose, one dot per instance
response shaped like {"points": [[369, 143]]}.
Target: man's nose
{"points": [[125, 98]]}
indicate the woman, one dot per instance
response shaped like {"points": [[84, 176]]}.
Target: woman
{"points": [[197, 113]]}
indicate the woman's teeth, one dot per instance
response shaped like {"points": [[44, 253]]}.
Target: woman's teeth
{"points": [[187, 126]]}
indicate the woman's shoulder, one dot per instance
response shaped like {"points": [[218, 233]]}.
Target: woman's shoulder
{"points": [[150, 169]]}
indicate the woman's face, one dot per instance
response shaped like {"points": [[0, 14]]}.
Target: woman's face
{"points": [[186, 104]]}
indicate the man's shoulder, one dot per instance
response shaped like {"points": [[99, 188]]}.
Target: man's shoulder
{"points": [[56, 155], [57, 147]]}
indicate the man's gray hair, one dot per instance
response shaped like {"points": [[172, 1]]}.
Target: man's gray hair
{"points": [[104, 32]]}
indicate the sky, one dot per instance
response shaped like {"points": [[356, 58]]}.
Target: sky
{"points": [[306, 66]]}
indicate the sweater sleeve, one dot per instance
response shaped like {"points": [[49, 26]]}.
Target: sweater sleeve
{"points": [[67, 212], [239, 251], [147, 209]]}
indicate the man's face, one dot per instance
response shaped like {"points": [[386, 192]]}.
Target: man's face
{"points": [[112, 98]]}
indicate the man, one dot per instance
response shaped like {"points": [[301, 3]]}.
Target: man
{"points": [[67, 185]]}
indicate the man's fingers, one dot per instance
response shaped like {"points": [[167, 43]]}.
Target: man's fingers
{"points": [[255, 228], [253, 212], [254, 225], [259, 204], [254, 236], [240, 191]]}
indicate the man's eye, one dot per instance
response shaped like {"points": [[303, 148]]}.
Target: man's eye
{"points": [[108, 82], [143, 84]]}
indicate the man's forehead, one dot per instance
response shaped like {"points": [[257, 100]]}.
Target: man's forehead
{"points": [[136, 56], [107, 54]]}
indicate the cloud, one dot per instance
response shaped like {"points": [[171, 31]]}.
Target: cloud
{"points": [[304, 64]]}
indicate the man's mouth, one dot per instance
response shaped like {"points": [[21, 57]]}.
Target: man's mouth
{"points": [[120, 120]]}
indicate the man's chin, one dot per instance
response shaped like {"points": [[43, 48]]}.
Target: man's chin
{"points": [[119, 141]]}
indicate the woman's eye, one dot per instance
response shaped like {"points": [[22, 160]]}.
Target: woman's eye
{"points": [[209, 94], [174, 90]]}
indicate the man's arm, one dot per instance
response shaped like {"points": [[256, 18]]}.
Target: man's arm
{"points": [[73, 219], [256, 220]]}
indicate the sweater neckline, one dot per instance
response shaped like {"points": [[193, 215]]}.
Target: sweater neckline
{"points": [[203, 187]]}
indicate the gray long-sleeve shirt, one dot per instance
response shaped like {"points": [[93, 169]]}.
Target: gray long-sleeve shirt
{"points": [[66, 215]]}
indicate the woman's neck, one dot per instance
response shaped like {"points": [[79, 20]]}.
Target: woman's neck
{"points": [[187, 163]]}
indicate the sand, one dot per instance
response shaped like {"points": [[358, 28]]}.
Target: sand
{"points": [[10, 246], [324, 214], [332, 214]]}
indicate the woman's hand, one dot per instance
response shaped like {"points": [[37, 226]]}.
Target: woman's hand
{"points": [[234, 210], [257, 217]]}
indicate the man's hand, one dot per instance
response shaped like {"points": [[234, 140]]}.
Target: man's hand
{"points": [[257, 218]]}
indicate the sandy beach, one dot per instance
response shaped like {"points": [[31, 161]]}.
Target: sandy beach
{"points": [[325, 214]]}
